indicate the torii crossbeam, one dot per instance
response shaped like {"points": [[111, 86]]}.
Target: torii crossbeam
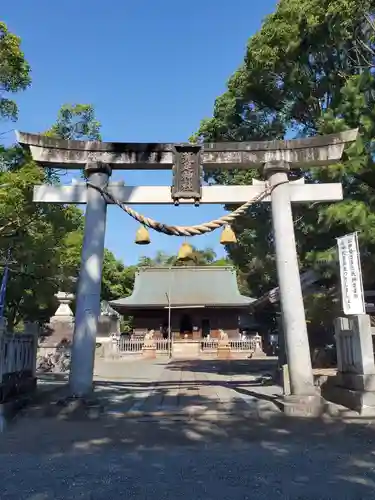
{"points": [[276, 158]]}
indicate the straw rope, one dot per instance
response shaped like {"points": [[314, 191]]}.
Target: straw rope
{"points": [[206, 227]]}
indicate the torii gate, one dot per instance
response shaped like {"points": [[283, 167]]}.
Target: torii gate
{"points": [[276, 158]]}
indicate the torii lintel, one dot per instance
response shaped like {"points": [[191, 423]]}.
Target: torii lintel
{"points": [[311, 151]]}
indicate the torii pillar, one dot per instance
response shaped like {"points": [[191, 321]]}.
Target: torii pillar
{"points": [[89, 283], [291, 298], [275, 157]]}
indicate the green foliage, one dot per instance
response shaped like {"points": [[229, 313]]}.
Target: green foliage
{"points": [[205, 257], [76, 121], [14, 72], [308, 70], [45, 239], [118, 280], [35, 234], [295, 68]]}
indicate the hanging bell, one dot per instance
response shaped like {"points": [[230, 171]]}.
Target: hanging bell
{"points": [[227, 236], [142, 236], [185, 252]]}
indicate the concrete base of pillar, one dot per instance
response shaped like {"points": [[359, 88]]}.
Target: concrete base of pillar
{"points": [[223, 352], [356, 392], [303, 405], [78, 408]]}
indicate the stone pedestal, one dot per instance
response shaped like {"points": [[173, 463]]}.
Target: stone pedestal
{"points": [[57, 334], [223, 347], [223, 352], [55, 342], [61, 326], [149, 346], [149, 349], [186, 349], [354, 384]]}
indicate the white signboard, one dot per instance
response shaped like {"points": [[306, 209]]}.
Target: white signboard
{"points": [[351, 275]]}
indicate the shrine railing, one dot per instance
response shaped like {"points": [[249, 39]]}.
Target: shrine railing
{"points": [[245, 345], [17, 364], [162, 345], [133, 346], [209, 345], [130, 345], [136, 346]]}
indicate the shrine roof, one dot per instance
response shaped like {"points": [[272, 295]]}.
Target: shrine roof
{"points": [[204, 286]]}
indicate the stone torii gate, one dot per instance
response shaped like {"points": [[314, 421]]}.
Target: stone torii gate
{"points": [[276, 158]]}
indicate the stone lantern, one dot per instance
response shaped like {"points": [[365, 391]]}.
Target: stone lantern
{"points": [[63, 314]]}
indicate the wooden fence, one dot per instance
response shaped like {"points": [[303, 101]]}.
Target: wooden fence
{"points": [[17, 363]]}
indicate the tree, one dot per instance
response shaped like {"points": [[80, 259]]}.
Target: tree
{"points": [[45, 240], [76, 121], [14, 72], [118, 280], [204, 257], [304, 73]]}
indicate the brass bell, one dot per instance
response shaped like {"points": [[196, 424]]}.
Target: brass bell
{"points": [[142, 236], [185, 252], [227, 236]]}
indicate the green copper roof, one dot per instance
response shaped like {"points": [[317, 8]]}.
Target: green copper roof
{"points": [[187, 286]]}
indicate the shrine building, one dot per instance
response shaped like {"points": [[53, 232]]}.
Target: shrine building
{"points": [[200, 300]]}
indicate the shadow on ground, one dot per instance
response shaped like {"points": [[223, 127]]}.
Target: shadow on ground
{"points": [[330, 450], [226, 367]]}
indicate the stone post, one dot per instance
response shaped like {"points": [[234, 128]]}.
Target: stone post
{"points": [[282, 362], [223, 346], [291, 299], [258, 350], [149, 346], [89, 284], [33, 330], [354, 384]]}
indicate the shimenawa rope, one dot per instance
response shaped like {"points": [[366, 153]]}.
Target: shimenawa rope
{"points": [[206, 227]]}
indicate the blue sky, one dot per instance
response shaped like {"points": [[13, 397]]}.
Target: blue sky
{"points": [[151, 68]]}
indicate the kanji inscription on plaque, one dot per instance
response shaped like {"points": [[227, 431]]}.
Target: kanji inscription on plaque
{"points": [[187, 173]]}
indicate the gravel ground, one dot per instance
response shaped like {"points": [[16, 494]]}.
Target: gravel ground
{"points": [[252, 471], [216, 455]]}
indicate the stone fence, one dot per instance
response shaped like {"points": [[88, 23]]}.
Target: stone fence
{"points": [[354, 384]]}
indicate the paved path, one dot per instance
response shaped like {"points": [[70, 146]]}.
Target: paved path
{"points": [[221, 455], [184, 386]]}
